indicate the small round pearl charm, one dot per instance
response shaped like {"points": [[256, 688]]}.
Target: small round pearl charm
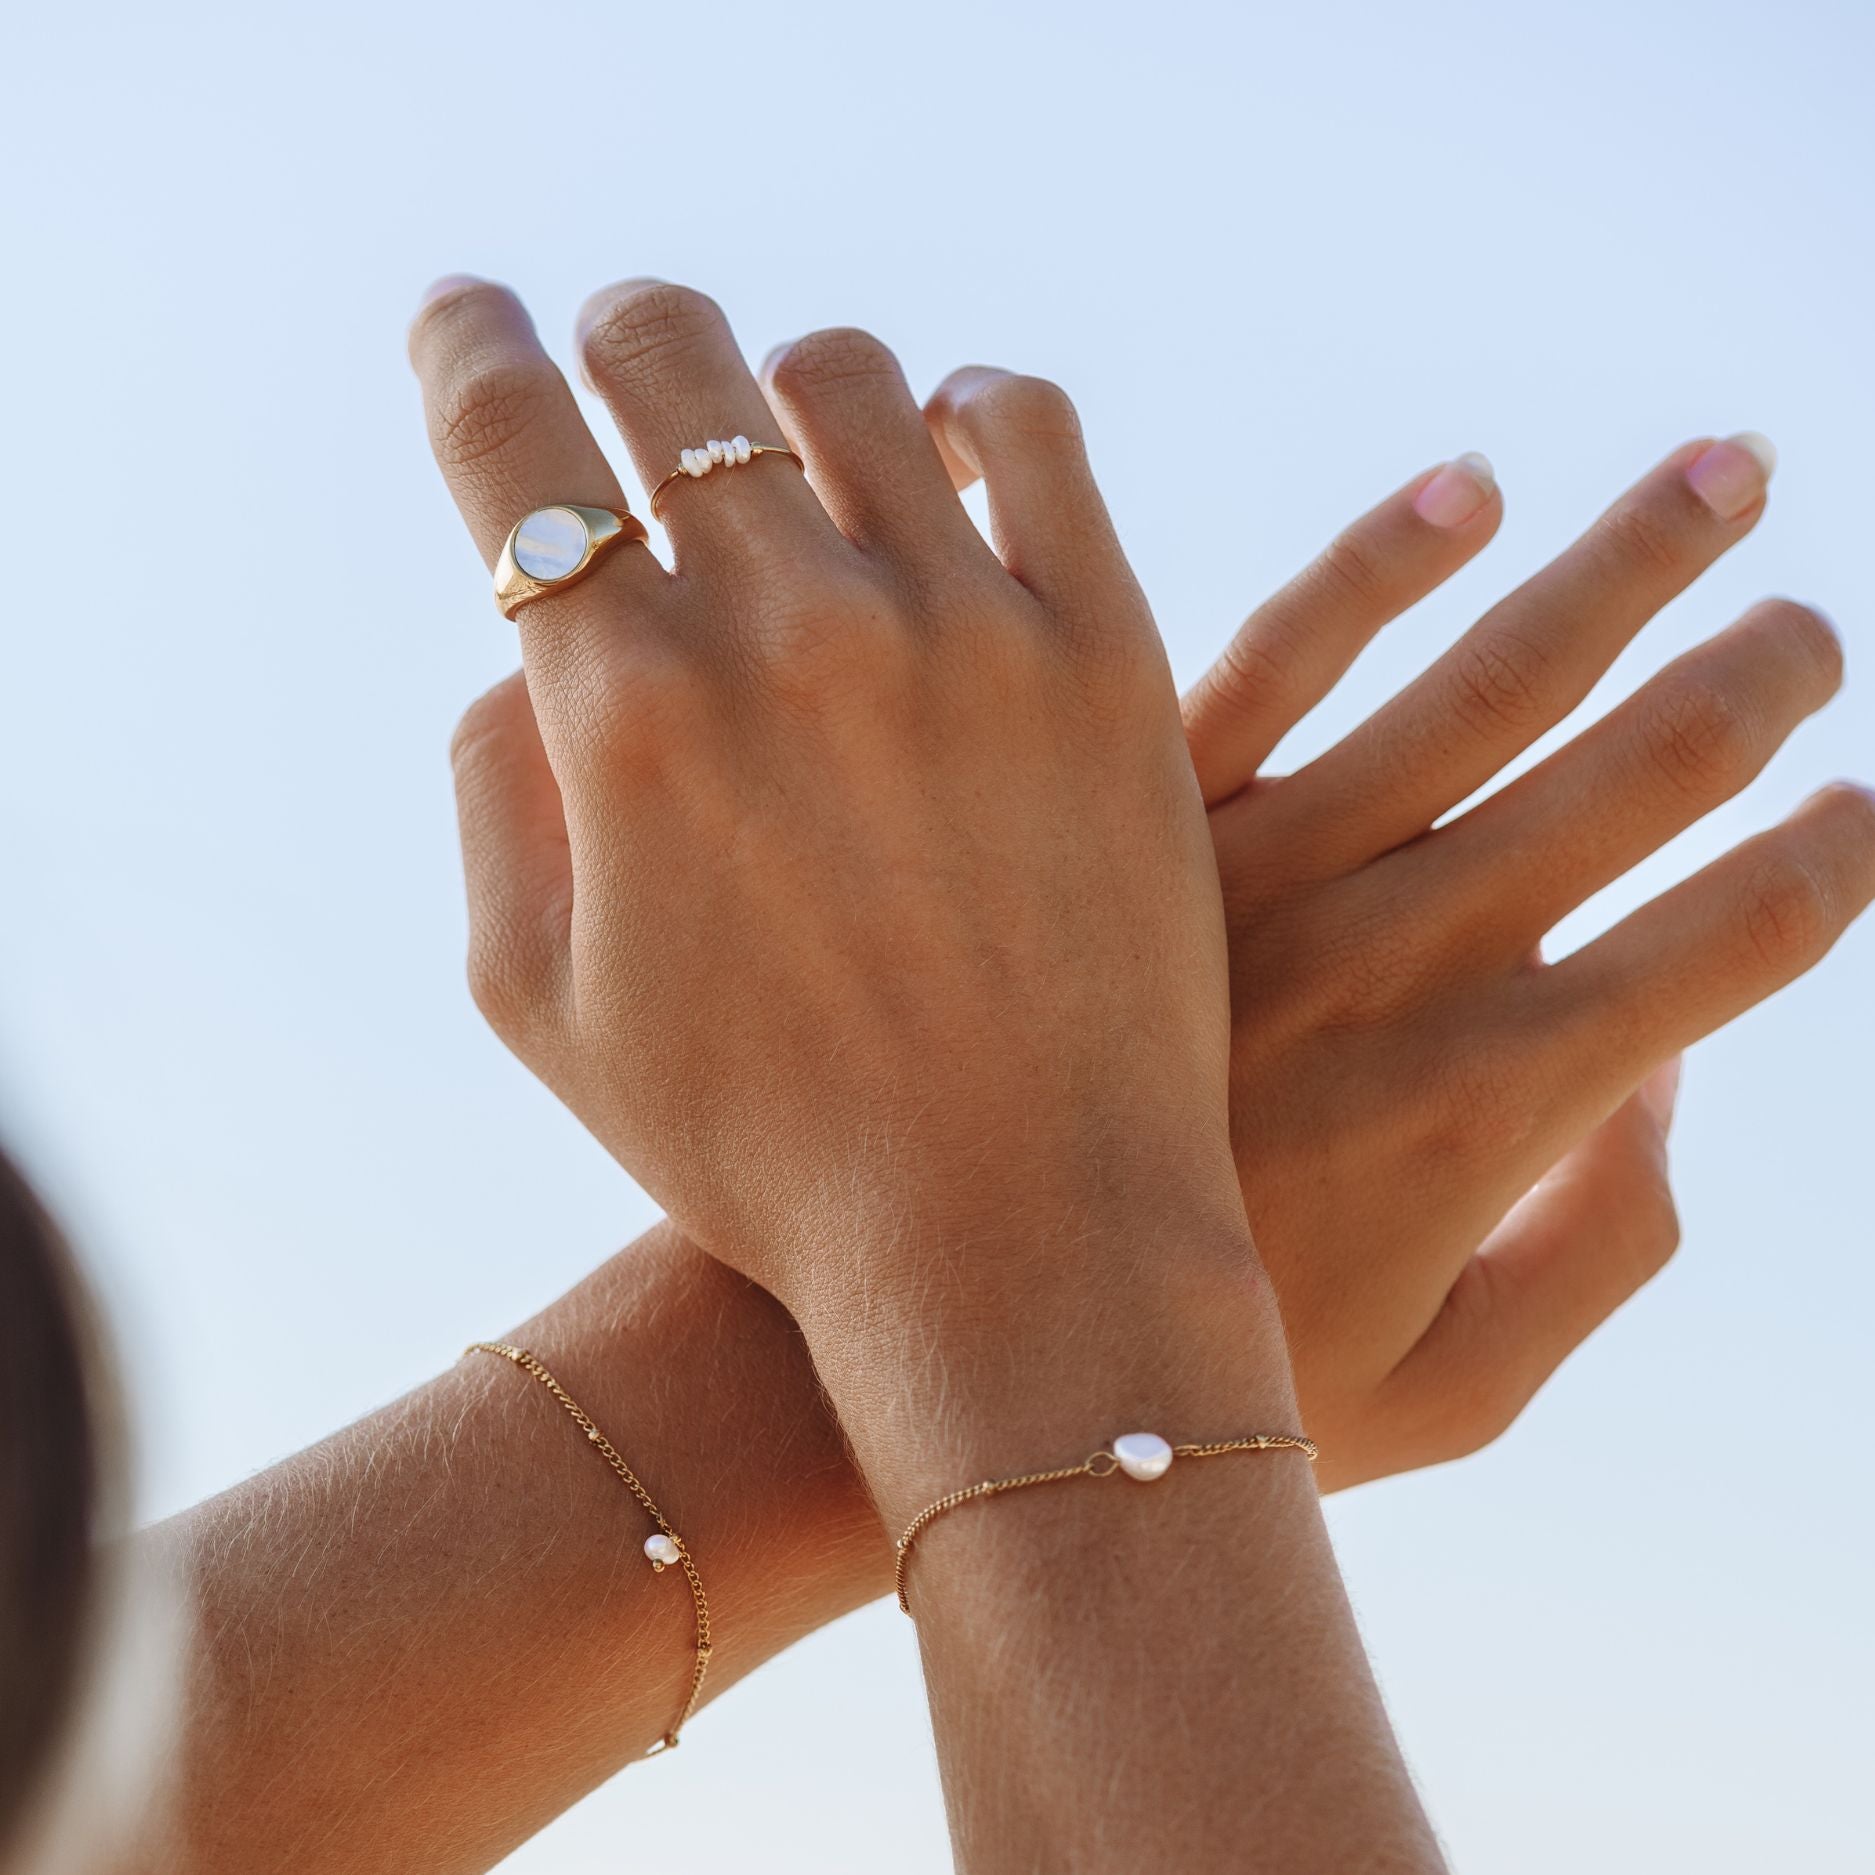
{"points": [[661, 1549], [1143, 1455]]}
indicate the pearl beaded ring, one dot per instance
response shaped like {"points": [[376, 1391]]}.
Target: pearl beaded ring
{"points": [[702, 461], [699, 461]]}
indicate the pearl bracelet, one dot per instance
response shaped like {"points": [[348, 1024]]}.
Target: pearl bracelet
{"points": [[663, 1547], [1141, 1455]]}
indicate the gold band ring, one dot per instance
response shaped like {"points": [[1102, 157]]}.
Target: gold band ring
{"points": [[715, 454], [555, 547]]}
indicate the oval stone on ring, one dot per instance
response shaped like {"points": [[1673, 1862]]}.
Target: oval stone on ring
{"points": [[550, 543], [550, 548]]}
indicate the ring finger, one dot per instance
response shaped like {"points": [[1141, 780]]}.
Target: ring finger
{"points": [[1685, 742]]}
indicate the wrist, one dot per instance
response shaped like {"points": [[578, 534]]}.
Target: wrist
{"points": [[1005, 1358]]}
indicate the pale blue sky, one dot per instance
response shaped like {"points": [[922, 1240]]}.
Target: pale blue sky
{"points": [[1283, 256]]}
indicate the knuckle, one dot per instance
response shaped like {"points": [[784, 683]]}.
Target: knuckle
{"points": [[1643, 537], [1502, 682], [481, 730], [648, 330], [653, 709], [830, 359], [1855, 807], [1658, 1230], [1351, 571], [1485, 1410], [1813, 636], [1117, 673], [1256, 670], [820, 646], [1481, 1113], [1033, 409], [1702, 738], [502, 986], [490, 406], [1475, 1400], [1785, 912]]}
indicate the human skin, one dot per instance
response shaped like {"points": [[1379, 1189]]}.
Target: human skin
{"points": [[833, 981], [399, 1662], [909, 854]]}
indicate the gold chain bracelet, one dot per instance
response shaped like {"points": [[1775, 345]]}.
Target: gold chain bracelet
{"points": [[1141, 1455], [664, 1547]]}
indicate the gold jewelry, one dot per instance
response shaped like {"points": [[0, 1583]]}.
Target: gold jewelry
{"points": [[697, 463], [664, 1546], [555, 547], [1141, 1455]]}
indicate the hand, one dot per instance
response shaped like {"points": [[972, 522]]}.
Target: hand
{"points": [[1404, 1067], [888, 944], [1457, 1342]]}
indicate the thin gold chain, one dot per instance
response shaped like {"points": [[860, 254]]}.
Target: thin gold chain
{"points": [[610, 1453], [1102, 1464]]}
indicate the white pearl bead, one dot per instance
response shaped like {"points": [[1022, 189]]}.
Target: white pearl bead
{"points": [[742, 447], [1143, 1455], [715, 449], [661, 1548], [688, 462]]}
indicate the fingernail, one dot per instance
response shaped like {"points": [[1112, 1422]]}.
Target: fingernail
{"points": [[1661, 1091], [1731, 476], [1457, 492], [448, 284]]}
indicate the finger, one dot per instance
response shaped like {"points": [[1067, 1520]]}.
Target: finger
{"points": [[1050, 526], [1294, 648], [509, 439], [963, 474], [1599, 1226], [1715, 945], [1536, 655], [668, 367], [844, 401], [1687, 741], [515, 859]]}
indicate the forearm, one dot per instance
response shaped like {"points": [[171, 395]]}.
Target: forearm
{"points": [[424, 1638], [1122, 1674]]}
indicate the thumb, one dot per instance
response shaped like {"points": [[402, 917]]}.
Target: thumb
{"points": [[516, 861], [1600, 1224]]}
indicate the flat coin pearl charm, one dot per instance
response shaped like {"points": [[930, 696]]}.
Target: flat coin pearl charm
{"points": [[1143, 1455], [661, 1549], [550, 543]]}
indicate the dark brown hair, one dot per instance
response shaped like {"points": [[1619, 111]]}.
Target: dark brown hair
{"points": [[51, 1466]]}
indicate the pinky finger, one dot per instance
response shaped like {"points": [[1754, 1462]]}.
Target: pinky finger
{"points": [[964, 474], [1022, 436], [1717, 944]]}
